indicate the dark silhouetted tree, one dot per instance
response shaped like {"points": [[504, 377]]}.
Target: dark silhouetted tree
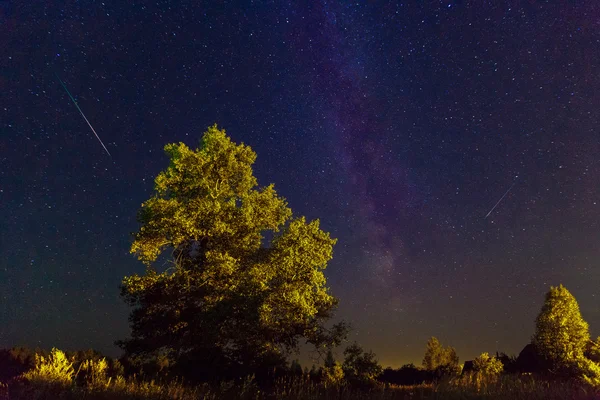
{"points": [[314, 373], [329, 359], [231, 300], [442, 360], [360, 367], [295, 368], [408, 374]]}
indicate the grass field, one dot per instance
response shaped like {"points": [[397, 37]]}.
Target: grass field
{"points": [[465, 388]]}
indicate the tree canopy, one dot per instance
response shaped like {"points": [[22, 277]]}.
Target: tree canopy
{"points": [[245, 281], [562, 338], [486, 365], [561, 334], [360, 366], [439, 357]]}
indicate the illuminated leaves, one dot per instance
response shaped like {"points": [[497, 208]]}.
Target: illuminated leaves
{"points": [[228, 288], [437, 356], [486, 365], [561, 333]]}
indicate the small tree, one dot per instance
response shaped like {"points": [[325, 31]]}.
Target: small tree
{"points": [[329, 359], [444, 361], [434, 354], [332, 372], [359, 366], [295, 368], [314, 373], [333, 375], [488, 366]]}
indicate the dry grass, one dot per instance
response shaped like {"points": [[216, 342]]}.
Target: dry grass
{"points": [[512, 388], [54, 378]]}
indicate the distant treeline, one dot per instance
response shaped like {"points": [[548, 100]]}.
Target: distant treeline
{"points": [[16, 361]]}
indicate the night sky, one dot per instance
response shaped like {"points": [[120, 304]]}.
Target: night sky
{"points": [[400, 126]]}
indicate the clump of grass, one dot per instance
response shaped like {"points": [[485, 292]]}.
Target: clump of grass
{"points": [[94, 374], [55, 370]]}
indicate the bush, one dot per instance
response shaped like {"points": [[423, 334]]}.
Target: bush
{"points": [[486, 365], [360, 367], [585, 371], [333, 375]]}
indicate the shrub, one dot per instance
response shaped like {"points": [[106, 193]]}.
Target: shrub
{"points": [[360, 367], [332, 375], [54, 370], [486, 365], [585, 371]]}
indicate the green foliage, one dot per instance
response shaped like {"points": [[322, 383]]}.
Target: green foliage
{"points": [[592, 350], [437, 358], [562, 338], [329, 359], [359, 366], [486, 365], [53, 370], [332, 372], [232, 299], [586, 371], [561, 334], [332, 375]]}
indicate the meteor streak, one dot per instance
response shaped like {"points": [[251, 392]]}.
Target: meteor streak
{"points": [[81, 112], [498, 202]]}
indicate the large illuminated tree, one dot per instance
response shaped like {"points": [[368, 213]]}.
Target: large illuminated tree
{"points": [[562, 338], [246, 281], [561, 333]]}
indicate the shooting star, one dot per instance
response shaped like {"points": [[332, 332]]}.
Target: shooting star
{"points": [[498, 202], [81, 112]]}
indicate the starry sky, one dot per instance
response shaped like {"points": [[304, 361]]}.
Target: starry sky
{"points": [[399, 125]]}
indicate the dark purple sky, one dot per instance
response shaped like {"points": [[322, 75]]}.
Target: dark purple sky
{"points": [[399, 126]]}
